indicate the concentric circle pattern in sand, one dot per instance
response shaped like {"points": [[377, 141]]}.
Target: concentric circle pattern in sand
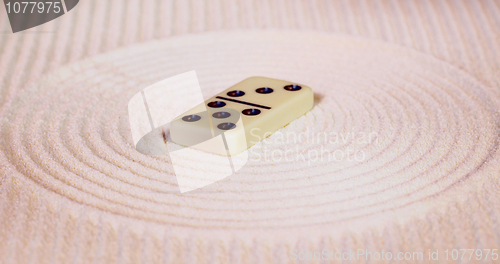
{"points": [[391, 128]]}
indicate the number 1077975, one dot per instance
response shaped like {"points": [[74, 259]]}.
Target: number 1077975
{"points": [[33, 7]]}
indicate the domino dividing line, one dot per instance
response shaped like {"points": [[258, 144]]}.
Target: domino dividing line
{"points": [[243, 102]]}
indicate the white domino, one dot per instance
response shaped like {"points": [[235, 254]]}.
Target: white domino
{"points": [[243, 115]]}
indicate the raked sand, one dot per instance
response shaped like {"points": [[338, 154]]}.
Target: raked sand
{"points": [[399, 153], [395, 140]]}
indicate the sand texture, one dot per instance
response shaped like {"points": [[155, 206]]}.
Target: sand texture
{"points": [[409, 89]]}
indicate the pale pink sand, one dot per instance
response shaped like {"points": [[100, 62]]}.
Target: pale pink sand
{"points": [[74, 189]]}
